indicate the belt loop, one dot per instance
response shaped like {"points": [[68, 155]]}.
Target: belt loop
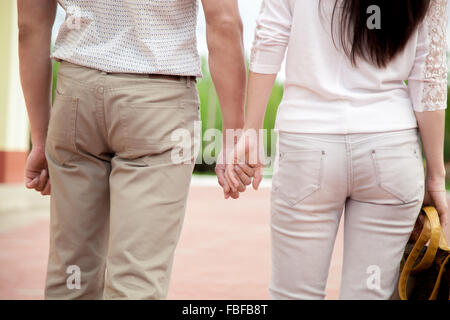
{"points": [[188, 81]]}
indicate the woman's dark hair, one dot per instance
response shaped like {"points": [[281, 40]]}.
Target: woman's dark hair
{"points": [[399, 19]]}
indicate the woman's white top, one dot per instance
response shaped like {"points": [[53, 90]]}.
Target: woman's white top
{"points": [[324, 93]]}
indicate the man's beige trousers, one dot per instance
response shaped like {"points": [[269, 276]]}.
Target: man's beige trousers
{"points": [[376, 178], [117, 197]]}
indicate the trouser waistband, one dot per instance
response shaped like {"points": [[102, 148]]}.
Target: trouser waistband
{"points": [[150, 75]]}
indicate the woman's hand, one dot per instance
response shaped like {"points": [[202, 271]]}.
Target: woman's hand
{"points": [[247, 160], [436, 195]]}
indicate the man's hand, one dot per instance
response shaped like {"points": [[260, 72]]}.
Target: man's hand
{"points": [[220, 172], [36, 171]]}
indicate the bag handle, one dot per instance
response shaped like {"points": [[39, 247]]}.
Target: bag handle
{"points": [[443, 243], [432, 232], [434, 227]]}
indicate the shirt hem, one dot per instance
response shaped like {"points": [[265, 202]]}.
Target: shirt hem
{"points": [[112, 70]]}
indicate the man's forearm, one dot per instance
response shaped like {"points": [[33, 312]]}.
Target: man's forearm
{"points": [[35, 74], [35, 66], [227, 67], [431, 126]]}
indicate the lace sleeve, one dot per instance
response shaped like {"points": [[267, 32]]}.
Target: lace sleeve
{"points": [[428, 79]]}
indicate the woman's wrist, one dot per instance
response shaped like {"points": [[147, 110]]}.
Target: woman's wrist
{"points": [[253, 125], [435, 173], [435, 182]]}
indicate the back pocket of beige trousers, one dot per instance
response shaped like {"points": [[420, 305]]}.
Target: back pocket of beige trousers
{"points": [[61, 134], [299, 175], [147, 127], [399, 171]]}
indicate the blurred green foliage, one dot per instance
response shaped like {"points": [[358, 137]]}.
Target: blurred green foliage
{"points": [[55, 78], [447, 134]]}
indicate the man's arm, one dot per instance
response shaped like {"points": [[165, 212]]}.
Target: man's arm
{"points": [[226, 58], [35, 21], [227, 67]]}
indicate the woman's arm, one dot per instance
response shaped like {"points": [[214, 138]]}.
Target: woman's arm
{"points": [[258, 94], [273, 28], [427, 85], [249, 149], [431, 128]]}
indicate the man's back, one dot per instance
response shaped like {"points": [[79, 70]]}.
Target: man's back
{"points": [[125, 84], [133, 36]]}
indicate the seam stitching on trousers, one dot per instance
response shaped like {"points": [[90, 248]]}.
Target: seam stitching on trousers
{"points": [[349, 165]]}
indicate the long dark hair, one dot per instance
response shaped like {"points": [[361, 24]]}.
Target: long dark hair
{"points": [[399, 19]]}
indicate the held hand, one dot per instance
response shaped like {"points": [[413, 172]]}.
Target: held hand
{"points": [[36, 171], [220, 173], [436, 195], [246, 159], [245, 174]]}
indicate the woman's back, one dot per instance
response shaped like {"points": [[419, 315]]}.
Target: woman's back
{"points": [[326, 93]]}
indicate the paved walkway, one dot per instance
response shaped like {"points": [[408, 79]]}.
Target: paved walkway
{"points": [[223, 251]]}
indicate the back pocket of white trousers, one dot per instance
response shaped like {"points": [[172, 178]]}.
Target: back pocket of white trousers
{"points": [[299, 175], [399, 171]]}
